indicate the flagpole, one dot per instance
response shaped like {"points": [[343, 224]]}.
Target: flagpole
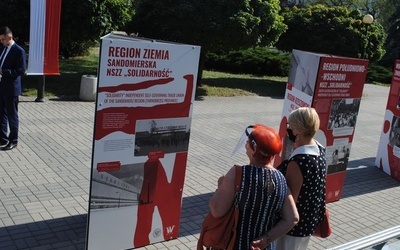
{"points": [[40, 89], [44, 41]]}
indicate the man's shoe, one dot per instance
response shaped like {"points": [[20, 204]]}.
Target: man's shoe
{"points": [[10, 146], [3, 143]]}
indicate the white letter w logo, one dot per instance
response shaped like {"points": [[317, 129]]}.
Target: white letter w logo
{"points": [[170, 229]]}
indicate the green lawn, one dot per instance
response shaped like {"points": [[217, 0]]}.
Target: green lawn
{"points": [[225, 84], [67, 84]]}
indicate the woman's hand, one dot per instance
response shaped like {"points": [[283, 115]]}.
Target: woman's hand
{"points": [[260, 243], [220, 180]]}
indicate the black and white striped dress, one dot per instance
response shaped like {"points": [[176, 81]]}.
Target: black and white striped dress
{"points": [[261, 197]]}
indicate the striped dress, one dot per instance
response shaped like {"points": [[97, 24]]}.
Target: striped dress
{"points": [[261, 197]]}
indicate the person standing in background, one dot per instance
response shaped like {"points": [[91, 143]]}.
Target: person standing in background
{"points": [[12, 67], [305, 173]]}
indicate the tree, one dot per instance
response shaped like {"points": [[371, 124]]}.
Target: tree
{"points": [[15, 15], [393, 40], [215, 25], [383, 10], [83, 22], [350, 4], [331, 30]]}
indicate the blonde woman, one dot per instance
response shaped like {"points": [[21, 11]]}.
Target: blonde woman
{"points": [[305, 173]]}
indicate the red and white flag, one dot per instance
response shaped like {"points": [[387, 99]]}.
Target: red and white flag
{"points": [[44, 37]]}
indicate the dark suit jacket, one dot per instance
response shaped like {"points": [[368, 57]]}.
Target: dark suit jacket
{"points": [[13, 68]]}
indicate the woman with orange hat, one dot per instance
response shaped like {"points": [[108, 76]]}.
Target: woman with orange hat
{"points": [[266, 207]]}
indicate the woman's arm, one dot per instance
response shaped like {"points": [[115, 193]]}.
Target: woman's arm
{"points": [[294, 179], [289, 218], [223, 197]]}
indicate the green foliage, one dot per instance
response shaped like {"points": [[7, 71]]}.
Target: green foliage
{"points": [[83, 22], [351, 4], [256, 61], [331, 30], [380, 74], [214, 25], [384, 10], [15, 14], [109, 15], [393, 40]]}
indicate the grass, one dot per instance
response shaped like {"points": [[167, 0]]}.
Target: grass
{"points": [[67, 84], [225, 84]]}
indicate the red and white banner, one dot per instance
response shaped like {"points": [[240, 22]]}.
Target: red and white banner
{"points": [[44, 37], [388, 156], [143, 115], [333, 86]]}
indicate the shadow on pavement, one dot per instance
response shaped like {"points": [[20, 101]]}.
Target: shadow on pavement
{"points": [[62, 233], [362, 177]]}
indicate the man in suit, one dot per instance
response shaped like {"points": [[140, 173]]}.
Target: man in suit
{"points": [[12, 67]]}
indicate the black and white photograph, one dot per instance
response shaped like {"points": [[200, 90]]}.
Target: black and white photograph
{"points": [[394, 136], [167, 135], [337, 156], [343, 113], [117, 188]]}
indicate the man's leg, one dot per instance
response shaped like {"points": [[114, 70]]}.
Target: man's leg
{"points": [[13, 119], [3, 121]]}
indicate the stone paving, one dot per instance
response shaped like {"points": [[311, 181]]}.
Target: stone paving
{"points": [[44, 183]]}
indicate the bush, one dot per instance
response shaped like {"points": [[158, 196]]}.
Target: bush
{"points": [[256, 61], [377, 73]]}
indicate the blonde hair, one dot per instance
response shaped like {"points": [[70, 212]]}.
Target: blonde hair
{"points": [[305, 120]]}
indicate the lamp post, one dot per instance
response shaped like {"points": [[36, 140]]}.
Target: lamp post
{"points": [[368, 19]]}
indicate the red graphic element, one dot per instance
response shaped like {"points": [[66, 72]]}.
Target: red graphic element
{"points": [[150, 173], [386, 126], [168, 110], [334, 186], [137, 86], [108, 166], [166, 196]]}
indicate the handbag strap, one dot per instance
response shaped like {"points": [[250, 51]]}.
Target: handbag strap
{"points": [[238, 179]]}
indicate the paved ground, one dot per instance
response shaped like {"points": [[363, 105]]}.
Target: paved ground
{"points": [[44, 183]]}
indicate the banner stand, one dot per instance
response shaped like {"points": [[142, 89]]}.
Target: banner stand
{"points": [[388, 155], [332, 85], [144, 103]]}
